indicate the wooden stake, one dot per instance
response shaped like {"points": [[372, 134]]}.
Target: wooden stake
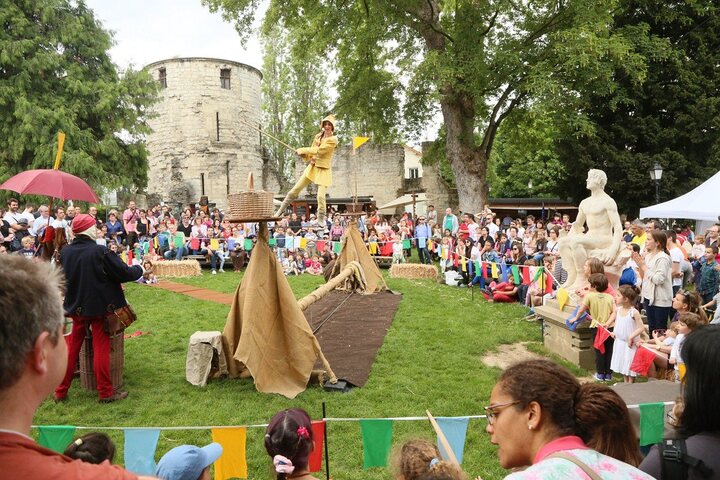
{"points": [[441, 437]]}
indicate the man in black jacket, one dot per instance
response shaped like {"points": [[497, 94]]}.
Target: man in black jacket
{"points": [[93, 277]]}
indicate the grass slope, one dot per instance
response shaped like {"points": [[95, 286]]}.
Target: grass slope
{"points": [[430, 360]]}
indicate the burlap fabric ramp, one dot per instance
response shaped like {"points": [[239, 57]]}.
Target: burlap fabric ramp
{"points": [[266, 333], [355, 250]]}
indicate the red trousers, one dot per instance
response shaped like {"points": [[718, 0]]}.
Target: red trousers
{"points": [[101, 355], [501, 291]]}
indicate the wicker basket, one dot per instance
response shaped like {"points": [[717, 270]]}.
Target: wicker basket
{"points": [[251, 203], [117, 362]]}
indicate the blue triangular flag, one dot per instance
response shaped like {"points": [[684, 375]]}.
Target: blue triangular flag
{"points": [[505, 271], [573, 326], [140, 445], [454, 429], [231, 244]]}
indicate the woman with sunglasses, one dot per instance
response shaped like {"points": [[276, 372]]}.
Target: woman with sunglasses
{"points": [[517, 257], [540, 417]]}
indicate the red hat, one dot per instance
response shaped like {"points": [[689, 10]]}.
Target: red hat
{"points": [[82, 222]]}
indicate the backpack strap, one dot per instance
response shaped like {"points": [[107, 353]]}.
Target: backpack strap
{"points": [[583, 466], [675, 461]]}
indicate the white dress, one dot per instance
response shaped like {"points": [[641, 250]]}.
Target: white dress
{"points": [[623, 355]]}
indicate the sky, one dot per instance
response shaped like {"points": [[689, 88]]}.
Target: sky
{"points": [[146, 31]]}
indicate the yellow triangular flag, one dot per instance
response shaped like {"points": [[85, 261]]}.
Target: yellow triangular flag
{"points": [[358, 142], [232, 463], [463, 263], [214, 244], [494, 270], [562, 297]]}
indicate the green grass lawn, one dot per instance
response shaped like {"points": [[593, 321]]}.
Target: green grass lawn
{"points": [[431, 359]]}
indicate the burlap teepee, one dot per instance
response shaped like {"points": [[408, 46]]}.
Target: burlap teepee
{"points": [[266, 333], [355, 250]]}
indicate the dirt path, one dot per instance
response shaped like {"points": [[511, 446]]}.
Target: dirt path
{"points": [[507, 354]]}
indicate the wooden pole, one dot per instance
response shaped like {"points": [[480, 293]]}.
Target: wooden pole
{"points": [[268, 135], [443, 440], [331, 285]]}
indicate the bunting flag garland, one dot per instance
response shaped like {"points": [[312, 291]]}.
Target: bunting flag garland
{"points": [[538, 272], [320, 245], [601, 335], [248, 244], [444, 253], [214, 244], [146, 247], [516, 274], [156, 243], [303, 242], [652, 423], [298, 242], [337, 247], [504, 269], [421, 242], [377, 440], [194, 244], [316, 456], [455, 430], [525, 275], [130, 258], [140, 446], [232, 463], [123, 256], [56, 437], [484, 270], [471, 271], [406, 244], [179, 240], [373, 247], [463, 264], [494, 270], [478, 269], [644, 357], [231, 244], [272, 242]]}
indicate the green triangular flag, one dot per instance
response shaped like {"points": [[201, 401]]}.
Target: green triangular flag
{"points": [[406, 244], [516, 274], [248, 244], [337, 247], [652, 423], [272, 242], [538, 272], [56, 437], [478, 270], [179, 240], [377, 440]]}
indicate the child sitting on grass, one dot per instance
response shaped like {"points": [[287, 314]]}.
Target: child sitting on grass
{"points": [[93, 448], [420, 459], [601, 306], [289, 441]]}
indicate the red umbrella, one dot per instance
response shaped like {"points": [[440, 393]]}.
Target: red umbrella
{"points": [[52, 183]]}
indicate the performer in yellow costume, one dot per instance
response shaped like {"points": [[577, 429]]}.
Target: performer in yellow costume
{"points": [[318, 171]]}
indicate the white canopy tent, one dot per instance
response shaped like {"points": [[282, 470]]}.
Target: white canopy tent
{"points": [[701, 203]]}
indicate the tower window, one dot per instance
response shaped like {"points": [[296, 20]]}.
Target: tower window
{"points": [[162, 77], [414, 172], [225, 78]]}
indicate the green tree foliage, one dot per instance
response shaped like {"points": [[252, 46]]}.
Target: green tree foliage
{"points": [[673, 118], [478, 61], [55, 75], [294, 95]]}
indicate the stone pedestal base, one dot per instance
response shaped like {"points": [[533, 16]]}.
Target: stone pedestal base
{"points": [[577, 346]]}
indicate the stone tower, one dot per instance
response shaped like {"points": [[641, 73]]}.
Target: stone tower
{"points": [[199, 145]]}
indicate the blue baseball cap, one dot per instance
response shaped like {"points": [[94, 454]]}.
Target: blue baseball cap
{"points": [[187, 462]]}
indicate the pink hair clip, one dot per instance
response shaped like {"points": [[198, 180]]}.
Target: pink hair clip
{"points": [[303, 433]]}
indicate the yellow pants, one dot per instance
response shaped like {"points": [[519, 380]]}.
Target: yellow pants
{"points": [[301, 184]]}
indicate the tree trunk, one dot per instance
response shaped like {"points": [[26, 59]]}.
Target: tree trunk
{"points": [[468, 161]]}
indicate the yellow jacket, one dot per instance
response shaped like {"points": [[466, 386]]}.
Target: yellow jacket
{"points": [[321, 152]]}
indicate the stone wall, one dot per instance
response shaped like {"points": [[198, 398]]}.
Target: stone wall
{"points": [[198, 132]]}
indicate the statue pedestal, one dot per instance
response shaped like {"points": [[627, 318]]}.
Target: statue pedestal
{"points": [[577, 346]]}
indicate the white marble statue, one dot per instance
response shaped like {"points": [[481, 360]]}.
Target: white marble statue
{"points": [[603, 238]]}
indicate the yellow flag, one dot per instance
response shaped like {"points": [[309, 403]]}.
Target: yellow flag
{"points": [[303, 243], [562, 297], [214, 244], [233, 462], [494, 270], [58, 155], [358, 142], [464, 264], [373, 248]]}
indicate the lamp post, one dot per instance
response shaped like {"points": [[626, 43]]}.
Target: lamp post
{"points": [[656, 174]]}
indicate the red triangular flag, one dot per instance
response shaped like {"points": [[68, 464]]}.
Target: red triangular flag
{"points": [[600, 337], [548, 283], [525, 275], [194, 244], [130, 258], [484, 270], [644, 357], [316, 456], [320, 245]]}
